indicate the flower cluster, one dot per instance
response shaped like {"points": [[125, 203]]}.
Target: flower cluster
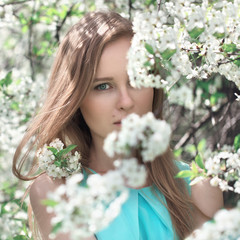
{"points": [[11, 225], [87, 208], [57, 161], [147, 134], [86, 205], [185, 38], [224, 169], [134, 174], [225, 225], [183, 96]]}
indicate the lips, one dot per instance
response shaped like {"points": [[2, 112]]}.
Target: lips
{"points": [[117, 123]]}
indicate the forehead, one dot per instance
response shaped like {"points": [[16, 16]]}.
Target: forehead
{"points": [[114, 55]]}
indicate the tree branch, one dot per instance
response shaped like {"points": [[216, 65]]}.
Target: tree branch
{"points": [[229, 124], [130, 9], [178, 112], [30, 32], [228, 61], [196, 126], [159, 4], [60, 25]]}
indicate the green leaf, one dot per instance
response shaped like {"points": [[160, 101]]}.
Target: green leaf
{"points": [[15, 106], [51, 12], [20, 237], [27, 118], [237, 62], [49, 202], [56, 227], [214, 97], [229, 47], [66, 150], [147, 64], [36, 17], [63, 13], [195, 32], [178, 152], [219, 35], [58, 163], [22, 19], [25, 230], [3, 210], [7, 80], [149, 48], [184, 174], [168, 53], [191, 149], [237, 142], [24, 28], [53, 150], [35, 50], [194, 168], [201, 145], [150, 2], [203, 85], [48, 36], [199, 161]]}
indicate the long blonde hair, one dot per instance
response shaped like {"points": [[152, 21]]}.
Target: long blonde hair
{"points": [[72, 74]]}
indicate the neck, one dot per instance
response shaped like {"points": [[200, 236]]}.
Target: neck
{"points": [[99, 161]]}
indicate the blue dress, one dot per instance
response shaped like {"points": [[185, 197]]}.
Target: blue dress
{"points": [[142, 217]]}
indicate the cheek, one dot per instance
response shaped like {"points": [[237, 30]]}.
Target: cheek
{"points": [[94, 109], [89, 110], [146, 99]]}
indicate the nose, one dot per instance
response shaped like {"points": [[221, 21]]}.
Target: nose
{"points": [[125, 99]]}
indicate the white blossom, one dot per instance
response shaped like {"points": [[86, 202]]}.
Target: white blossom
{"points": [[134, 174], [147, 134], [49, 162], [225, 225], [88, 209], [169, 34], [224, 167]]}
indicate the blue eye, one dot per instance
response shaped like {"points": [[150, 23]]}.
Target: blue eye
{"points": [[103, 86]]}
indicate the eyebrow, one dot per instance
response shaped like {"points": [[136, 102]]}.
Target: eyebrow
{"points": [[103, 79]]}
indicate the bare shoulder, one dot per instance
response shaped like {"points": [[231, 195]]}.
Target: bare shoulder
{"points": [[208, 199], [38, 192]]}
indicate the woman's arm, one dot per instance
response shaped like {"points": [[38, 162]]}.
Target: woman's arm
{"points": [[38, 191], [207, 199]]}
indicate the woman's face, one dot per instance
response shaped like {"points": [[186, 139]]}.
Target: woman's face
{"points": [[111, 97]]}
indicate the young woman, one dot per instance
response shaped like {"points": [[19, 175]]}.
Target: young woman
{"points": [[88, 96]]}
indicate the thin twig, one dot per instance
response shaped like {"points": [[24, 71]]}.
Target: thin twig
{"points": [[194, 115], [30, 33], [205, 119], [60, 25], [159, 5], [130, 9], [229, 61], [229, 124]]}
